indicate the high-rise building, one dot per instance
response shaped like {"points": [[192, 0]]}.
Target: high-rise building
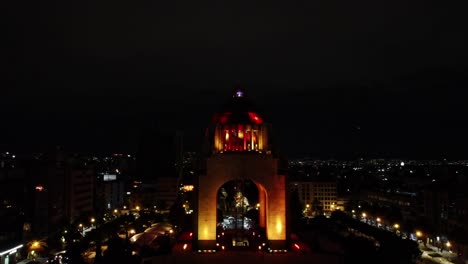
{"points": [[110, 192], [80, 188]]}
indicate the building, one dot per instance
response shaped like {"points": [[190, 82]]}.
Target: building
{"points": [[317, 197], [166, 192], [110, 192], [159, 194], [14, 204], [457, 225], [241, 187], [81, 182], [57, 177], [10, 254], [142, 196]]}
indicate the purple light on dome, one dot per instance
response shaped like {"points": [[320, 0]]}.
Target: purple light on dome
{"points": [[239, 93]]}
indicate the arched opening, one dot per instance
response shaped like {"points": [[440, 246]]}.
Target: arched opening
{"points": [[241, 205]]}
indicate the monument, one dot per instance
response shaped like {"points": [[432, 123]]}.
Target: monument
{"points": [[241, 189]]}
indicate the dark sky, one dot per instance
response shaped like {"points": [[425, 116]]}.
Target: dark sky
{"points": [[336, 78]]}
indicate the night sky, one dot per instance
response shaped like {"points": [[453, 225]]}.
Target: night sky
{"points": [[336, 79]]}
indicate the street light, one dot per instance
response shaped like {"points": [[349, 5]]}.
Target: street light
{"points": [[35, 246], [378, 220], [80, 228], [419, 234], [396, 226], [93, 220], [364, 215]]}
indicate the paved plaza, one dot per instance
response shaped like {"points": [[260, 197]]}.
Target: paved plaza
{"points": [[241, 257]]}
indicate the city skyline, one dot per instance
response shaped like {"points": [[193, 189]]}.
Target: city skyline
{"points": [[161, 131]]}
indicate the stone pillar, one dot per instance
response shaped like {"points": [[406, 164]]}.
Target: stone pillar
{"points": [[262, 200]]}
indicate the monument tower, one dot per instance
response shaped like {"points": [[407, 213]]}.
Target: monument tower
{"points": [[241, 189]]}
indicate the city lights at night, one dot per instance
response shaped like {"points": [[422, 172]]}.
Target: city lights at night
{"points": [[273, 132]]}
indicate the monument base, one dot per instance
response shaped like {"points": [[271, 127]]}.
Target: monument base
{"points": [[205, 245], [278, 245]]}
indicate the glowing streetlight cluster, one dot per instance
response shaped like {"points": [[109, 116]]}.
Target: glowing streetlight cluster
{"points": [[35, 247], [419, 234]]}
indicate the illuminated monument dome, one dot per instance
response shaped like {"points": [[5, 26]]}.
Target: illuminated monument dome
{"points": [[239, 127], [241, 190]]}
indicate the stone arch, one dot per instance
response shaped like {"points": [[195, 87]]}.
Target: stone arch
{"points": [[263, 171], [259, 201]]}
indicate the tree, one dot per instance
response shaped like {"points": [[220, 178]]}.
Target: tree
{"points": [[74, 249], [317, 207], [394, 215], [177, 215], [164, 243], [161, 205], [117, 251]]}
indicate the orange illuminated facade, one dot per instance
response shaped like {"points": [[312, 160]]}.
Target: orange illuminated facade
{"points": [[238, 149], [240, 137]]}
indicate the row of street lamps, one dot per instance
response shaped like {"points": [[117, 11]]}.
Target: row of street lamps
{"points": [[419, 234]]}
